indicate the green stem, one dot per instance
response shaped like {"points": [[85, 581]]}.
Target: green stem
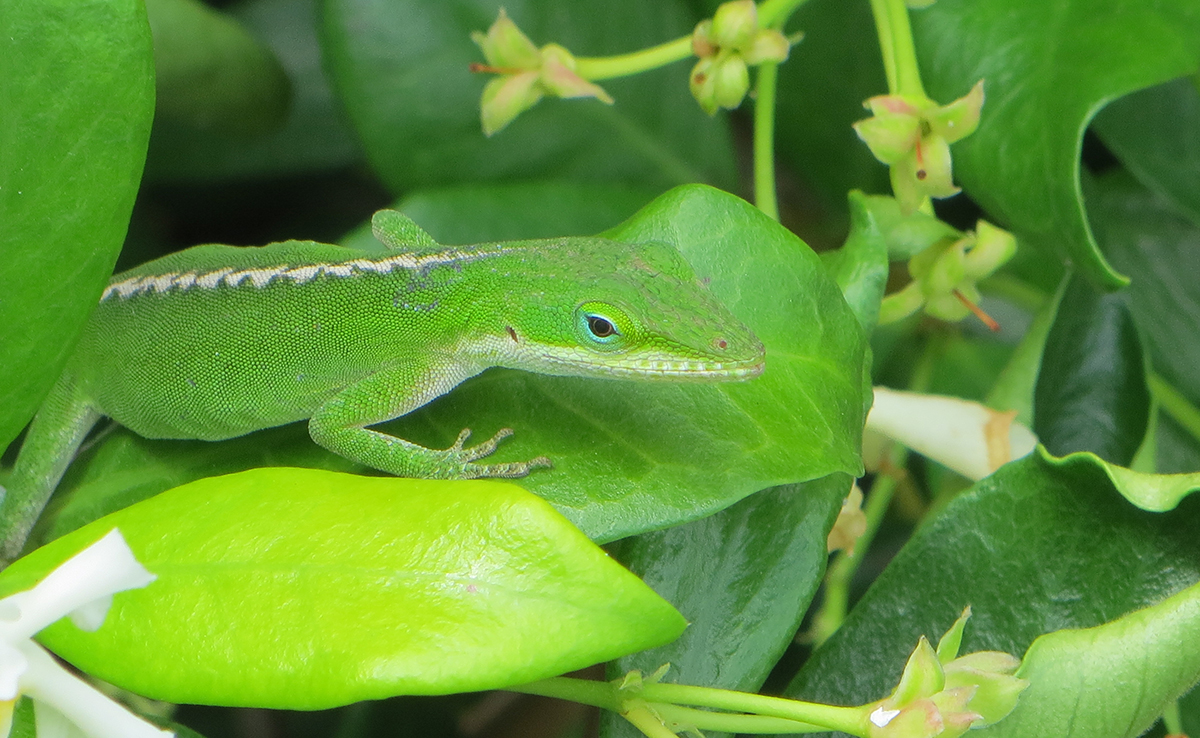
{"points": [[1175, 404], [583, 691], [725, 722], [774, 13], [851, 720], [899, 51], [648, 723], [606, 67], [836, 603], [764, 140], [1171, 719]]}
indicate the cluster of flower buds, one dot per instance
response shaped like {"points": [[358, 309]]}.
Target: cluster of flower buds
{"points": [[942, 695], [945, 273], [913, 137], [728, 45], [525, 74]]}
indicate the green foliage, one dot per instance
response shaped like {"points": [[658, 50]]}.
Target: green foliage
{"points": [[307, 585], [278, 593]]}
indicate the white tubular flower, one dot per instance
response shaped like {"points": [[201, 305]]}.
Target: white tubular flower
{"points": [[82, 588], [965, 436]]}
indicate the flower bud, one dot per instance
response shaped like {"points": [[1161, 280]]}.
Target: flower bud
{"points": [[702, 83], [960, 118], [702, 41], [731, 81], [506, 46], [767, 45], [507, 96], [734, 24]]}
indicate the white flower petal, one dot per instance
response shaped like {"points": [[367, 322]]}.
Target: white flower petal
{"points": [[91, 616], [105, 567], [965, 436], [53, 724], [12, 666], [92, 712]]}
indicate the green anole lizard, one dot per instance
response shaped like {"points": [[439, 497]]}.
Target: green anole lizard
{"points": [[214, 342]]}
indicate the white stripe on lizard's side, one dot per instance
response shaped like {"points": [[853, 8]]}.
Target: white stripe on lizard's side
{"points": [[259, 278]]}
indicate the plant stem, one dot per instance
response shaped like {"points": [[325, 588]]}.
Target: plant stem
{"points": [[851, 720], [764, 139], [899, 51], [648, 723], [732, 723], [1175, 404], [583, 691], [774, 13], [836, 603], [606, 67]]}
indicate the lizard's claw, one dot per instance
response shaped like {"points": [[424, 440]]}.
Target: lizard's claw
{"points": [[507, 470]]}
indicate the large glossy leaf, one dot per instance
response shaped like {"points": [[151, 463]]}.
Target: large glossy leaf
{"points": [[1160, 250], [743, 578], [1043, 83], [1156, 135], [211, 73], [635, 456], [1091, 390], [401, 69], [1032, 549], [1080, 681], [475, 213], [821, 90], [313, 136], [76, 100], [306, 589]]}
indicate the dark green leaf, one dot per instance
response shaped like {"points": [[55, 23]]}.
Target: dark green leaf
{"points": [[1091, 390], [822, 87], [211, 74], [1043, 84], [77, 96], [635, 456], [860, 267], [401, 69], [743, 578], [306, 589], [503, 212], [1156, 135], [1080, 680], [1032, 549], [312, 137]]}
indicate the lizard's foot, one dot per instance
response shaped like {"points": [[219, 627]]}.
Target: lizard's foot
{"points": [[467, 456]]}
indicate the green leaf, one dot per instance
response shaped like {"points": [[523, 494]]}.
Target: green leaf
{"points": [[1081, 681], [860, 267], [474, 213], [306, 589], [401, 69], [1091, 390], [1156, 135], [77, 95], [211, 73], [743, 578], [635, 456], [1032, 549], [313, 135], [1154, 492], [1014, 388], [1039, 64]]}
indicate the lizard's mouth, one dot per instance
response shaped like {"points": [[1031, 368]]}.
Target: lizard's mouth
{"points": [[658, 368]]}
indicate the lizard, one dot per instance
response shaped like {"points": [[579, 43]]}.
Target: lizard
{"points": [[214, 342]]}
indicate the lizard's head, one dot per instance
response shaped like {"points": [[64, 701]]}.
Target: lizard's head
{"points": [[641, 312]]}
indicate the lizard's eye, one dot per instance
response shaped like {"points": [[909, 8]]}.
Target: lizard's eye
{"points": [[602, 326]]}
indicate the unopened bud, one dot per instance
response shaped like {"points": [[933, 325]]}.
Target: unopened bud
{"points": [[732, 81], [767, 45], [735, 24], [702, 41]]}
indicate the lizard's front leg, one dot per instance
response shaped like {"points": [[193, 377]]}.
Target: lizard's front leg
{"points": [[338, 425]]}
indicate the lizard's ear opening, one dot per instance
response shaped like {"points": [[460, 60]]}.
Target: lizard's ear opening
{"points": [[604, 327]]}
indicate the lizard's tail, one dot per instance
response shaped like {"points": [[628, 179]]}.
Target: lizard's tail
{"points": [[59, 427]]}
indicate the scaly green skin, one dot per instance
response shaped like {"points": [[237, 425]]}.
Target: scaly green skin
{"points": [[216, 341]]}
